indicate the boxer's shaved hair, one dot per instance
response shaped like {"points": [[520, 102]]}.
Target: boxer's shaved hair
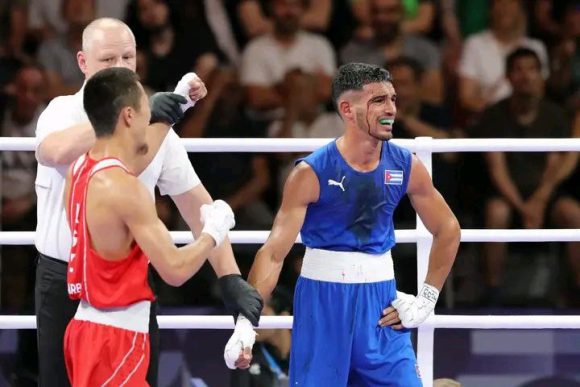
{"points": [[95, 29], [106, 93]]}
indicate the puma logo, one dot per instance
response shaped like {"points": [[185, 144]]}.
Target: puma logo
{"points": [[336, 183]]}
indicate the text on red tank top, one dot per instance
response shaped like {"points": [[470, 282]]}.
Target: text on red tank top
{"points": [[100, 282]]}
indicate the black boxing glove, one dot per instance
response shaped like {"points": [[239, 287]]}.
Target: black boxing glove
{"points": [[166, 107], [241, 298]]}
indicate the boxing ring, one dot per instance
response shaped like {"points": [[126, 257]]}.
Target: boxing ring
{"points": [[423, 147]]}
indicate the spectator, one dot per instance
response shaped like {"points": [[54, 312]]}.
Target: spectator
{"points": [[219, 21], [335, 19], [45, 18], [12, 27], [58, 55], [12, 36], [565, 79], [255, 21], [18, 174], [571, 188], [419, 16], [26, 95], [303, 119], [546, 19], [472, 15], [169, 48], [271, 352], [273, 64], [526, 183], [240, 178], [417, 118], [482, 69], [390, 41]]}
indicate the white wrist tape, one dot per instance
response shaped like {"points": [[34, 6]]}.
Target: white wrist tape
{"points": [[182, 89], [413, 311], [244, 336]]}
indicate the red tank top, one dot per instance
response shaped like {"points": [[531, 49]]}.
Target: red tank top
{"points": [[90, 277]]}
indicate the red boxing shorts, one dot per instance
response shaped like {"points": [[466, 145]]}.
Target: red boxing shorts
{"points": [[101, 354]]}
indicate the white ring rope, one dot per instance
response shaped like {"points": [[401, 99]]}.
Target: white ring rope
{"points": [[424, 147], [310, 144], [401, 236], [285, 322]]}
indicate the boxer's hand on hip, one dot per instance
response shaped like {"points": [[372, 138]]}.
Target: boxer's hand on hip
{"points": [[165, 107], [238, 350], [413, 311], [240, 298], [218, 219]]}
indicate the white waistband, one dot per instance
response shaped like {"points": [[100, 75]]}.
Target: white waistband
{"points": [[347, 266], [133, 318]]}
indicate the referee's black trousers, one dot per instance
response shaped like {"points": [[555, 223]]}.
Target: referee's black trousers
{"points": [[54, 309]]}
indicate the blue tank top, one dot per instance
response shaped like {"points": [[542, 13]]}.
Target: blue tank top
{"points": [[354, 211]]}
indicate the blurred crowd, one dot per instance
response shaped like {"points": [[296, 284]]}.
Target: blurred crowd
{"points": [[477, 68]]}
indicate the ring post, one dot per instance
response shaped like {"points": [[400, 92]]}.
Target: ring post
{"points": [[425, 334]]}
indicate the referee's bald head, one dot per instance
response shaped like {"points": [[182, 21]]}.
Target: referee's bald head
{"points": [[107, 42]]}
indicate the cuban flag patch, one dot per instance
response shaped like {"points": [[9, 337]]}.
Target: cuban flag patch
{"points": [[393, 177]]}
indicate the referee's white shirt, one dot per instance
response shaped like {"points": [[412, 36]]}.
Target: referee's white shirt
{"points": [[170, 170]]}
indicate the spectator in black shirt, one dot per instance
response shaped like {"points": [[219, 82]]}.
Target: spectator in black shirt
{"points": [[170, 48], [526, 185]]}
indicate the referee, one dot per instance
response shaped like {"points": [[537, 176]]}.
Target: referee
{"points": [[63, 134]]}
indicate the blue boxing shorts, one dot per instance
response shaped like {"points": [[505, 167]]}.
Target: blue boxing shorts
{"points": [[336, 339]]}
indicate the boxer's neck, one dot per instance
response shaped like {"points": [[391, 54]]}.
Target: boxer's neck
{"points": [[114, 147]]}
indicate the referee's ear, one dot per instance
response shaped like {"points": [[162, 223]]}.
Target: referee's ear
{"points": [[82, 62]]}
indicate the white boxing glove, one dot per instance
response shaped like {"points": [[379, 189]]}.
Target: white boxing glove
{"points": [[244, 336], [413, 311], [218, 219], [182, 89]]}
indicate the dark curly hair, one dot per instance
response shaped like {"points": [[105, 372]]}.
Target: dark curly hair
{"points": [[353, 76]]}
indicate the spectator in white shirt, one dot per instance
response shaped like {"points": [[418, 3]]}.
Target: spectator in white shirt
{"points": [[45, 18], [58, 54], [272, 63], [390, 40], [482, 79]]}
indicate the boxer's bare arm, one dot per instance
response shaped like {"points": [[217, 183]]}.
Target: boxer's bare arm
{"points": [[301, 188], [439, 220], [189, 203], [134, 205]]}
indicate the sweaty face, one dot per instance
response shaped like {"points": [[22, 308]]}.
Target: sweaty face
{"points": [[375, 112], [109, 47]]}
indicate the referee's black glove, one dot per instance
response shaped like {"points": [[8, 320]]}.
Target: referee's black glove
{"points": [[166, 107], [241, 298]]}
